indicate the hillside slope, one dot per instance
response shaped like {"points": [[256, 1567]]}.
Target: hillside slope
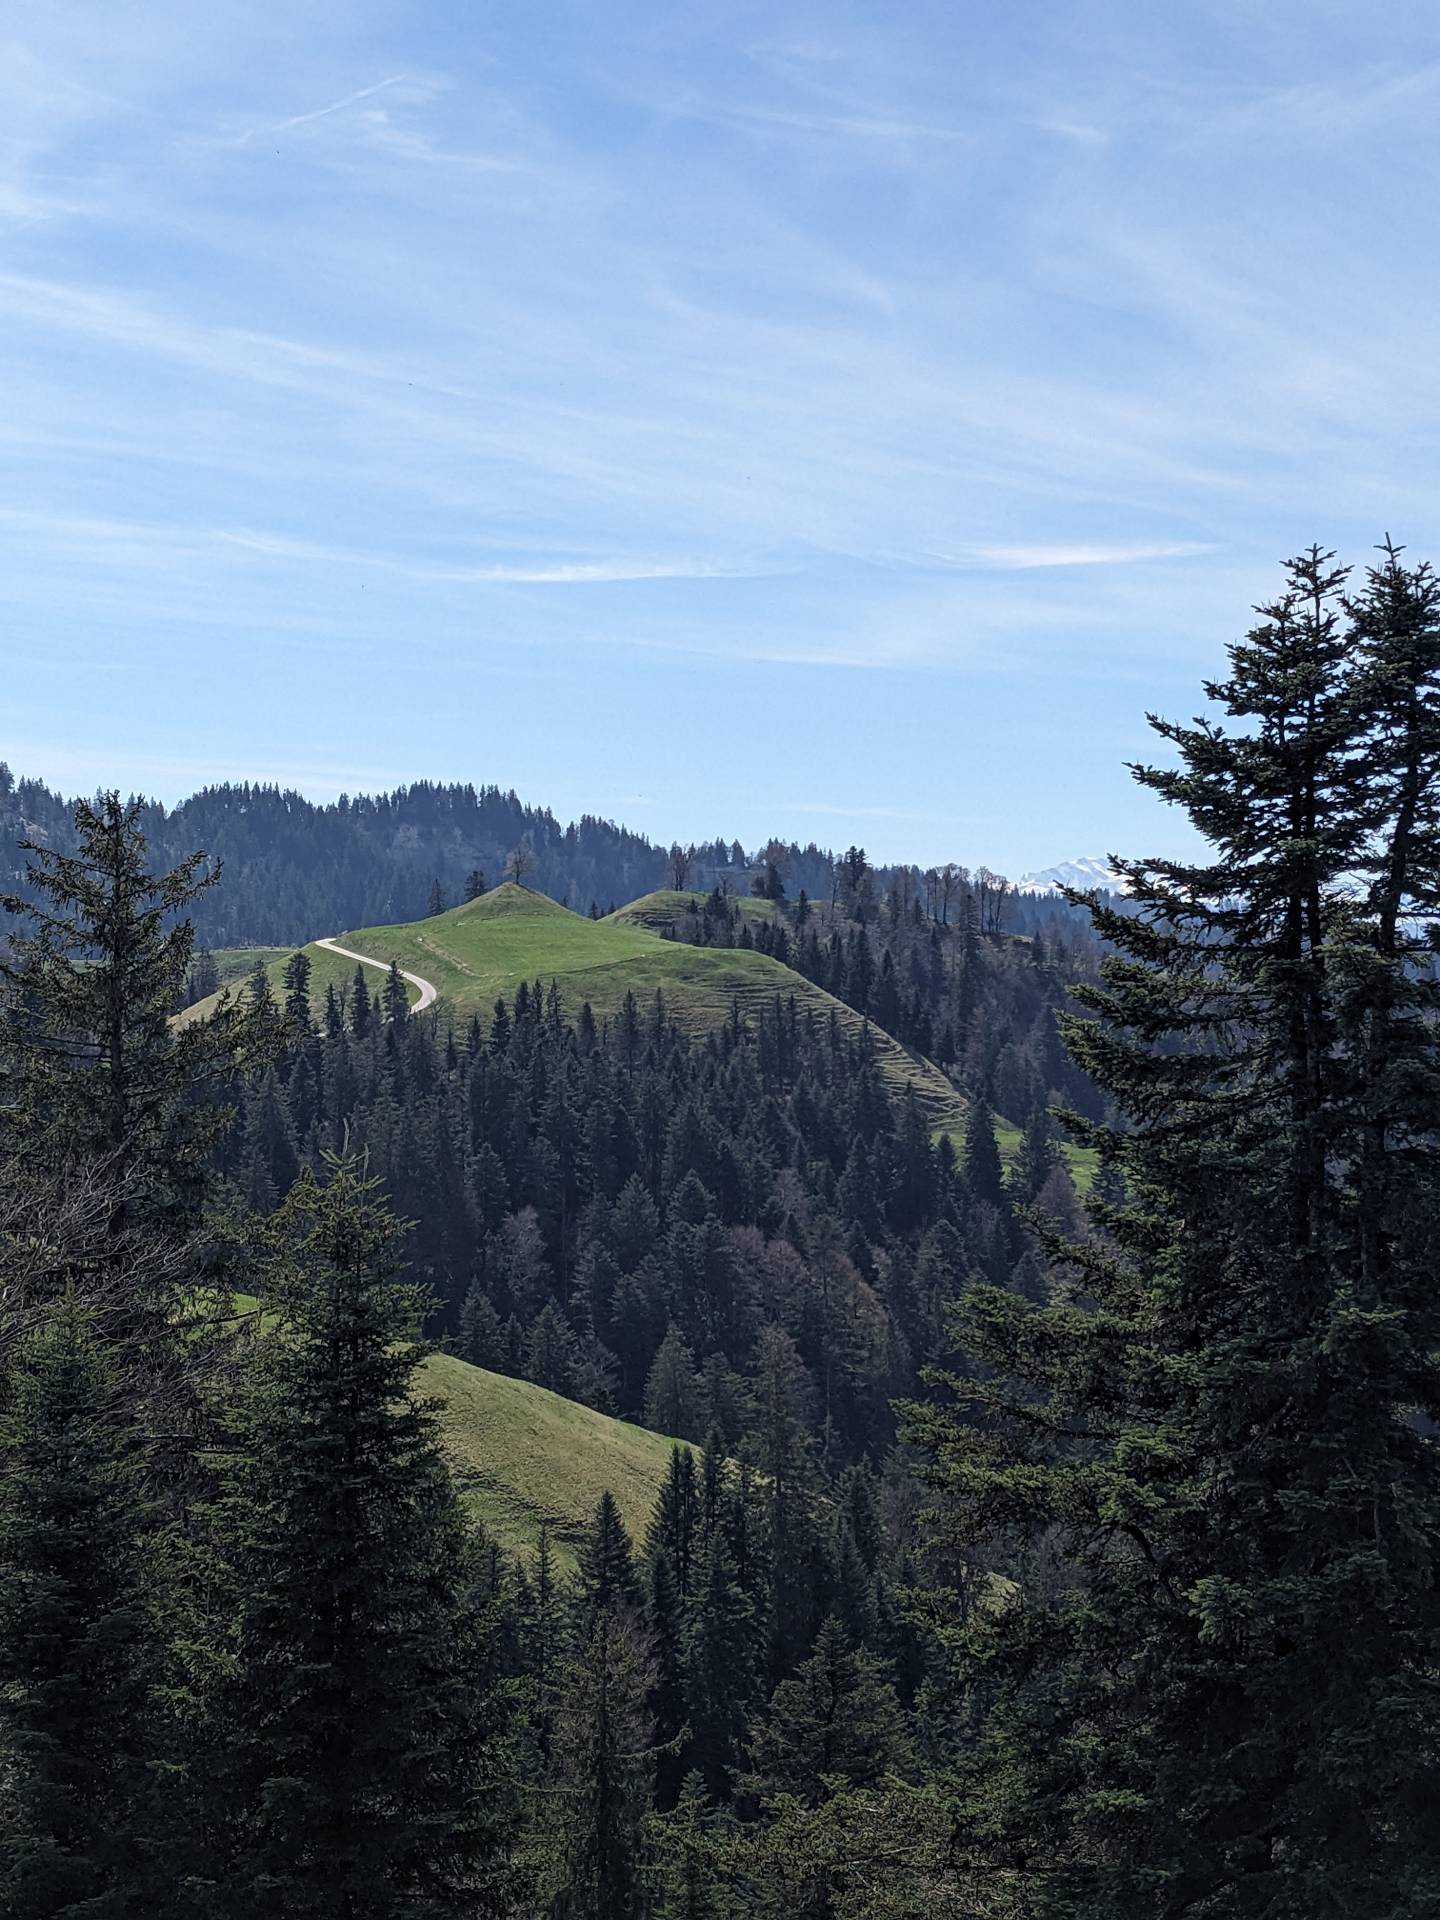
{"points": [[483, 950], [525, 1457]]}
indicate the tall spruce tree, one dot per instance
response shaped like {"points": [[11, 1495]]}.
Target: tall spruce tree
{"points": [[543, 1633], [361, 1007], [297, 993], [606, 1580], [604, 1761], [97, 1077], [984, 1175], [723, 1659], [836, 1718], [397, 1000], [1208, 1465], [357, 1753], [675, 1524]]}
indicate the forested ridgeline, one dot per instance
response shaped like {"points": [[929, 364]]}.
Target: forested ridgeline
{"points": [[930, 958], [295, 869], [1130, 1608]]}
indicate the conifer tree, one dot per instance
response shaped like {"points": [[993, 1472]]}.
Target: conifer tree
{"points": [[836, 1717], [204, 978], [270, 1147], [355, 1753], [783, 1414], [852, 1589], [481, 1333], [397, 1000], [672, 1392], [605, 1578], [665, 1618], [634, 1224], [1036, 1160], [1223, 1702], [675, 1528], [500, 1029], [95, 1074], [550, 1351], [712, 1487], [723, 1657], [981, 1161], [543, 1640], [603, 1765], [260, 994], [297, 993], [360, 1006], [691, 1871]]}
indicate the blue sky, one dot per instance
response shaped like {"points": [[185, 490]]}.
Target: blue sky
{"points": [[835, 421]]}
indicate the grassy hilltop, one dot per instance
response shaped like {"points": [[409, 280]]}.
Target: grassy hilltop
{"points": [[478, 952], [666, 910]]}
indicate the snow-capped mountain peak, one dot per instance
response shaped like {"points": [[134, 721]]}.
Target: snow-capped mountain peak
{"points": [[1091, 870]]}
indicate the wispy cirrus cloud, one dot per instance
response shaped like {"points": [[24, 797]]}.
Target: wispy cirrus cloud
{"points": [[1022, 558], [556, 572], [844, 126], [167, 546], [322, 113]]}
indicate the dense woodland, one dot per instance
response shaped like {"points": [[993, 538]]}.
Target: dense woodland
{"points": [[979, 1001], [1033, 1561], [618, 1214]]}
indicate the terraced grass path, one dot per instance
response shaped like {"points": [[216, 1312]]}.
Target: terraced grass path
{"points": [[427, 991]]}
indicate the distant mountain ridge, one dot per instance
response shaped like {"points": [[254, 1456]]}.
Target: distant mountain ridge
{"points": [[295, 868], [1090, 870]]}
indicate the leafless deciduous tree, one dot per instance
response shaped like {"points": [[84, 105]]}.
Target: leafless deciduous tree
{"points": [[992, 890], [949, 882], [680, 859], [519, 862]]}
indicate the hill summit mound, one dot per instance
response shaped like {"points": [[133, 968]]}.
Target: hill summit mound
{"points": [[506, 902]]}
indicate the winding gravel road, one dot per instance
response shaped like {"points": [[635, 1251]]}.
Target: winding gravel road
{"points": [[427, 991]]}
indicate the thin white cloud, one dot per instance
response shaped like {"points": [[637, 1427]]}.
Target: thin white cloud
{"points": [[380, 132], [590, 572], [323, 113], [829, 125], [1021, 559], [1081, 133], [165, 545]]}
